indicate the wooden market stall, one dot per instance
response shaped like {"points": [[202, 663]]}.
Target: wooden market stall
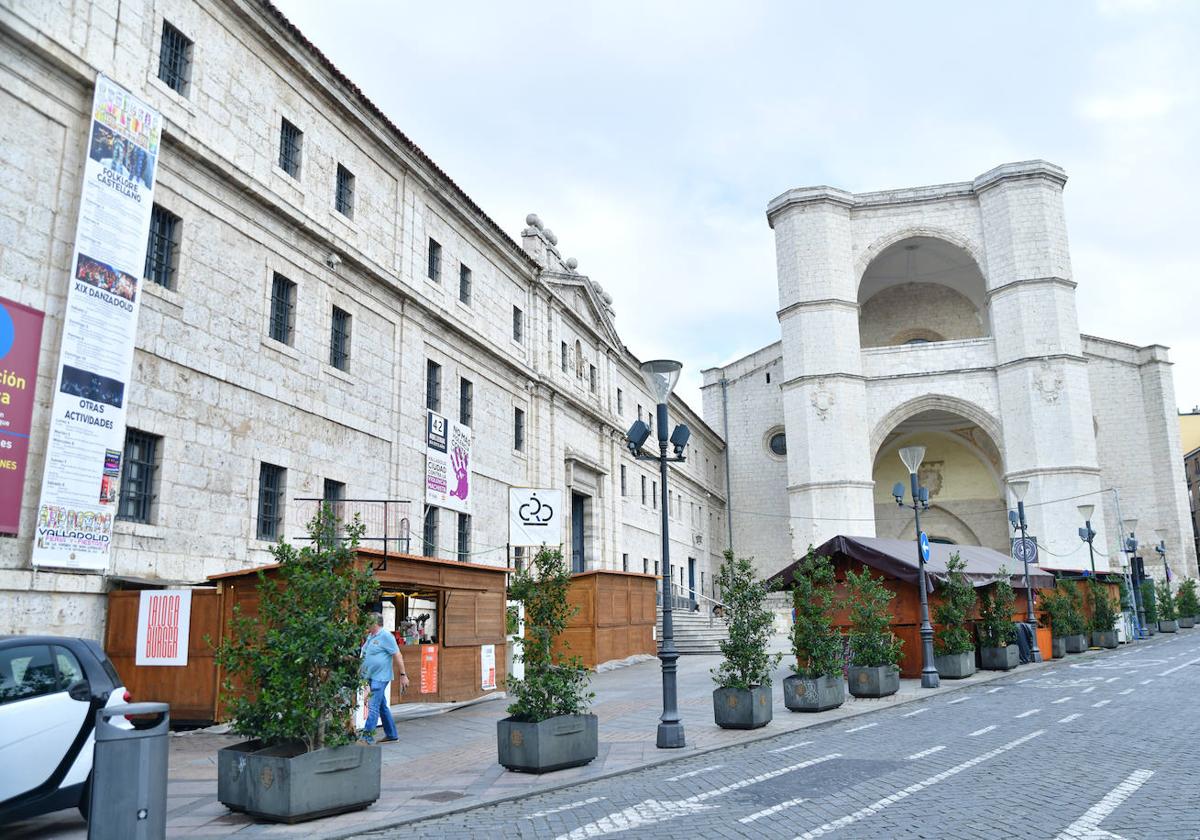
{"points": [[615, 616]]}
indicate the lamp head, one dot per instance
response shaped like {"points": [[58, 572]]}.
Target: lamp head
{"points": [[660, 376], [679, 438], [1085, 512], [923, 497], [1083, 534], [898, 492], [637, 435], [1019, 489], [1161, 549], [1013, 520], [912, 456]]}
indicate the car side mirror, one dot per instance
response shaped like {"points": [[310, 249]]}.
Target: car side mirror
{"points": [[80, 690]]}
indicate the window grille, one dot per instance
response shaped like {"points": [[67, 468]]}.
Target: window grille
{"points": [[272, 481], [343, 199], [464, 284], [138, 476], [175, 59], [160, 250], [433, 386], [290, 140], [339, 339], [434, 268], [283, 308]]}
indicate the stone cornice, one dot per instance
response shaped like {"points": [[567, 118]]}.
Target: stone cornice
{"points": [[797, 381], [1024, 170], [1039, 359], [802, 196], [844, 482], [1013, 285], [823, 303]]}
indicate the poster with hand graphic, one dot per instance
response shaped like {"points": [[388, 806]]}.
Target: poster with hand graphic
{"points": [[447, 464]]}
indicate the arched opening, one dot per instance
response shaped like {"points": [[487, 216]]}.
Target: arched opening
{"points": [[921, 289], [962, 470]]}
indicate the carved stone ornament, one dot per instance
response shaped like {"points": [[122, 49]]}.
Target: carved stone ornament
{"points": [[1049, 382], [822, 400]]}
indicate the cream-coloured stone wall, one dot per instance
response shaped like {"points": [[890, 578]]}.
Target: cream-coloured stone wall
{"points": [[928, 311]]}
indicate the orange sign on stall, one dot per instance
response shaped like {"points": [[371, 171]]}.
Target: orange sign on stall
{"points": [[429, 669]]}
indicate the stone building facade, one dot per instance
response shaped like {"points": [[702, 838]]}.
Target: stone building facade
{"points": [[234, 383], [944, 316]]}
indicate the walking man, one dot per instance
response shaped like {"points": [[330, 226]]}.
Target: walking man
{"points": [[378, 651]]}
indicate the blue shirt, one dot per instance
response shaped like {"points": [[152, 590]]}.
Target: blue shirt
{"points": [[377, 653]]}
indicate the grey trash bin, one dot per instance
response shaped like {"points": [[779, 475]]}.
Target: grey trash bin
{"points": [[129, 775]]}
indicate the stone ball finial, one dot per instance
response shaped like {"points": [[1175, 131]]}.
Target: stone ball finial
{"points": [[533, 221], [572, 263], [606, 297], [550, 237]]}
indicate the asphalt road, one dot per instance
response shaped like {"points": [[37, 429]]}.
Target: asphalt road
{"points": [[1107, 747]]}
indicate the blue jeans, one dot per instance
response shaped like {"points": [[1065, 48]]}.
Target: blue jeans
{"points": [[377, 709]]}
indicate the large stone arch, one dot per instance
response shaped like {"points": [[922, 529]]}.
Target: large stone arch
{"points": [[937, 402], [863, 261]]}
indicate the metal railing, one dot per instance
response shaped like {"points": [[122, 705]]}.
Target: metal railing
{"points": [[688, 599], [385, 521]]}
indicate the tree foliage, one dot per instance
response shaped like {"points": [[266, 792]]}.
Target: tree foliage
{"points": [[554, 683], [1186, 602], [996, 628], [817, 645], [291, 672], [872, 642], [1104, 612], [1058, 611], [1149, 602], [1166, 609], [747, 663], [958, 599]]}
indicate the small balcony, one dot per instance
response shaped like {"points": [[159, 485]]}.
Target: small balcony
{"points": [[955, 356]]}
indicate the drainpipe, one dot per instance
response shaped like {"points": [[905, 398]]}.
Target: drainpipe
{"points": [[728, 486]]}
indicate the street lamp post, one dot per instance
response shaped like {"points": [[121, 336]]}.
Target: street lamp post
{"points": [[912, 457], [1019, 489], [660, 376], [1130, 546], [1087, 534]]}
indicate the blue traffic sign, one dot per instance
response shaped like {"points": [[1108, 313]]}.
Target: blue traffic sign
{"points": [[924, 541]]}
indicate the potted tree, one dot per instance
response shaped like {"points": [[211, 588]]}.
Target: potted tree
{"points": [[1187, 605], [742, 699], [954, 654], [1149, 606], [874, 649], [1166, 609], [1077, 623], [817, 683], [291, 674], [1057, 612], [1104, 616], [997, 635], [548, 727]]}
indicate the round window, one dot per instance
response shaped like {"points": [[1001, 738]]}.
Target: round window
{"points": [[778, 444]]}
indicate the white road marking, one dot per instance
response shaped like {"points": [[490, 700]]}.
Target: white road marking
{"points": [[1126, 691], [924, 753], [981, 731], [1061, 700], [917, 712], [561, 808], [1027, 714], [1146, 682], [650, 811], [694, 773], [1112, 679], [1069, 718], [1088, 826], [789, 747], [1178, 667], [994, 690], [1027, 679], [1090, 688], [861, 728], [774, 809], [1101, 703], [904, 793], [959, 700]]}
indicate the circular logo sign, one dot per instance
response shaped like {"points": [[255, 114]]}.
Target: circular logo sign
{"points": [[1025, 550]]}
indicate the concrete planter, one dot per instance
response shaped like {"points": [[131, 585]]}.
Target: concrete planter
{"points": [[1171, 626], [1058, 647], [552, 744], [955, 666], [286, 784], [813, 694], [1077, 643], [1104, 638], [874, 681], [1187, 623], [999, 659], [742, 708]]}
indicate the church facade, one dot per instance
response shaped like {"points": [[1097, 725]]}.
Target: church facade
{"points": [[945, 316]]}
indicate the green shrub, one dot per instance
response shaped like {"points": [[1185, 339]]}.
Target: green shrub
{"points": [[1104, 613], [1166, 609], [1077, 623], [817, 645], [747, 663], [1149, 605], [554, 683], [995, 613], [872, 642], [958, 599], [301, 652], [1186, 602]]}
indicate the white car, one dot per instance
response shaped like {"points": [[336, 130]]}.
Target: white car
{"points": [[50, 691]]}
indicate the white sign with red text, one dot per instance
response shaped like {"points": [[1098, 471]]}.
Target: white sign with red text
{"points": [[164, 621]]}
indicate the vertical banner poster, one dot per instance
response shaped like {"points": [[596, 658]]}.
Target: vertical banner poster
{"points": [[487, 663], [447, 464], [429, 668], [87, 419], [20, 346], [164, 627]]}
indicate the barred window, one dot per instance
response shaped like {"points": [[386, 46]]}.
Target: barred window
{"points": [[518, 325], [464, 537], [624, 562], [138, 474], [283, 309], [272, 481], [343, 200], [429, 532], [160, 250], [466, 400], [339, 340], [592, 378], [291, 140], [175, 59], [518, 430], [435, 261], [464, 284], [433, 386]]}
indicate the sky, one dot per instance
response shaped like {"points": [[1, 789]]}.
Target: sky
{"points": [[649, 136]]}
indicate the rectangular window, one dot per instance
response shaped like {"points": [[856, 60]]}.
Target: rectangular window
{"points": [[518, 325], [429, 532], [466, 399], [654, 494], [519, 557], [434, 269], [464, 284], [623, 479], [433, 386], [566, 364], [339, 339], [624, 562], [160, 250], [272, 482], [518, 430], [334, 493], [138, 476], [592, 378], [175, 59], [464, 537], [620, 401], [639, 411], [291, 140], [343, 197], [283, 309], [645, 566], [643, 489]]}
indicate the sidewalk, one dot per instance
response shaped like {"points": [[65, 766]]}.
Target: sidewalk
{"points": [[447, 762]]}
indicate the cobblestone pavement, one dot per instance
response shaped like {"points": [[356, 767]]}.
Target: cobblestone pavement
{"points": [[1103, 746]]}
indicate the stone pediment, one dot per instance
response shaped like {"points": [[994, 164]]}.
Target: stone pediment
{"points": [[590, 303]]}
